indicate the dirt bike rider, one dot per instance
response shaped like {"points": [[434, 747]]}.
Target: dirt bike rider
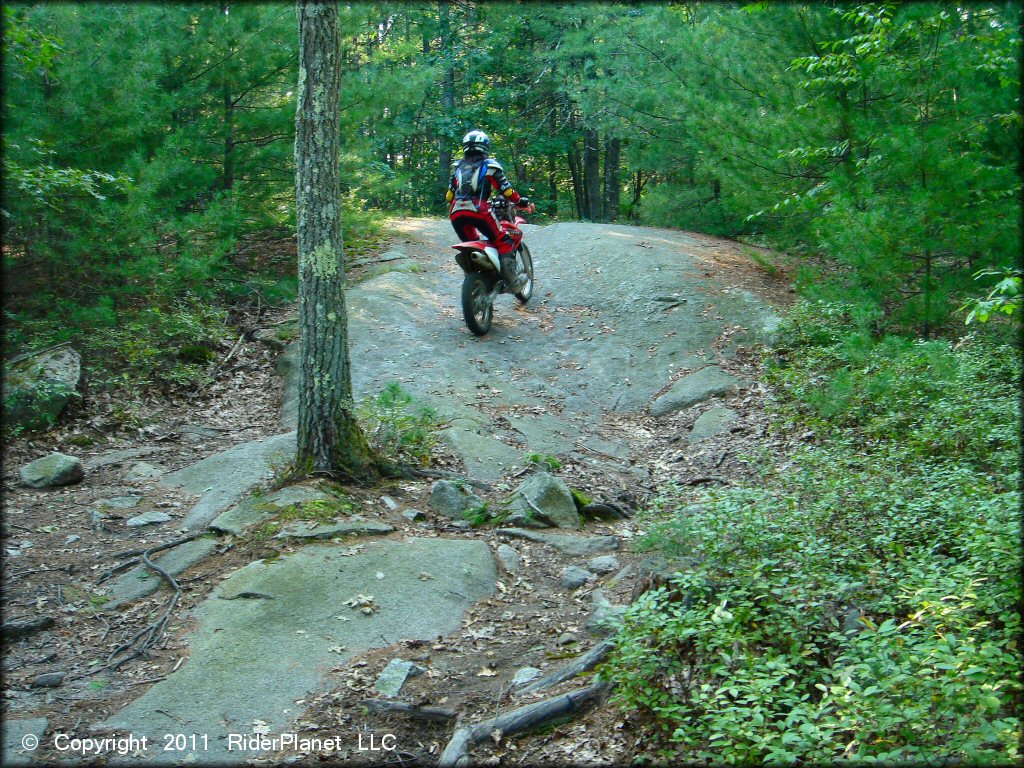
{"points": [[472, 181]]}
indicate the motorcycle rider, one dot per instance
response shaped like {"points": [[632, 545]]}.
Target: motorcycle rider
{"points": [[473, 179]]}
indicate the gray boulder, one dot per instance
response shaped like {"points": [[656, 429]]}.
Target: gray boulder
{"points": [[551, 496], [525, 675], [37, 388], [510, 559], [570, 544], [18, 735], [574, 577], [394, 675], [695, 388], [142, 470], [712, 422], [147, 518], [55, 469], [451, 500], [604, 617], [603, 564]]}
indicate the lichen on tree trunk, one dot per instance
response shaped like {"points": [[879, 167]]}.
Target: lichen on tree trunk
{"points": [[329, 438]]}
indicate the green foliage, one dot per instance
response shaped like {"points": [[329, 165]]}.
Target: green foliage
{"points": [[477, 516], [396, 431], [862, 600], [544, 461], [1004, 298]]}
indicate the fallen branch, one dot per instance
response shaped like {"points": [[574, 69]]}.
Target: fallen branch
{"points": [[707, 479], [522, 719], [577, 666], [365, 262], [14, 629], [380, 706]]}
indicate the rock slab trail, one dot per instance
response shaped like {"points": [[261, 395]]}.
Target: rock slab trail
{"points": [[268, 634], [622, 319]]}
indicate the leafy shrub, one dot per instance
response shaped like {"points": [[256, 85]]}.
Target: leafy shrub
{"points": [[395, 431], [861, 602]]}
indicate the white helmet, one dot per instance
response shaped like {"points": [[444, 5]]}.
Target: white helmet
{"points": [[476, 141]]}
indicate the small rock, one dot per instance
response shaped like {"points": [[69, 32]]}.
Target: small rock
{"points": [[72, 538], [603, 614], [147, 518], [452, 500], [566, 638], [394, 675], [574, 577], [510, 559], [49, 471], [49, 680], [603, 564], [142, 470], [390, 503], [525, 675], [413, 515]]}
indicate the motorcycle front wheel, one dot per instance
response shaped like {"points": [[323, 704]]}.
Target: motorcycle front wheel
{"points": [[527, 290], [477, 308]]}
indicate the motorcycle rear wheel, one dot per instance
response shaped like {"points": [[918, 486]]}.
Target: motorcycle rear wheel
{"points": [[477, 309], [527, 290]]}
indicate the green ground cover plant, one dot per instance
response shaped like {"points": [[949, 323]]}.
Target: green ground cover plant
{"points": [[862, 601]]}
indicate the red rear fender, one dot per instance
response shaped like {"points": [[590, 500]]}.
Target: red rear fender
{"points": [[475, 245]]}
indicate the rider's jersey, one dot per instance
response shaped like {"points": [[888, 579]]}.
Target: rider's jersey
{"points": [[472, 181]]}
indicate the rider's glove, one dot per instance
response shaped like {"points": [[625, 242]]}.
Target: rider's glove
{"points": [[524, 202]]}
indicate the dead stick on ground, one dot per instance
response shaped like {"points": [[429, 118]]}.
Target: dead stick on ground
{"points": [[577, 666], [522, 719], [401, 708]]}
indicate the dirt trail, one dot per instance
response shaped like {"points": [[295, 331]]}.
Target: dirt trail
{"points": [[622, 318]]}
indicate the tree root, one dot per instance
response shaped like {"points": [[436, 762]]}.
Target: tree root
{"points": [[146, 637], [522, 719], [133, 554], [577, 666]]}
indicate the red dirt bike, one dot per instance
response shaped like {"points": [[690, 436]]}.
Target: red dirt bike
{"points": [[483, 281]]}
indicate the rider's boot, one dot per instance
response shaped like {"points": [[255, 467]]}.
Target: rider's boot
{"points": [[515, 277]]}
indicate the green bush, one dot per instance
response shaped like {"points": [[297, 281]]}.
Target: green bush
{"points": [[861, 601]]}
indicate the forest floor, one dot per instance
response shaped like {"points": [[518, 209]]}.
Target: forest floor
{"points": [[619, 315]]}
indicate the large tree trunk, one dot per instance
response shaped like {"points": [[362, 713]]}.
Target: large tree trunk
{"points": [[610, 199], [592, 175], [577, 186], [329, 438]]}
